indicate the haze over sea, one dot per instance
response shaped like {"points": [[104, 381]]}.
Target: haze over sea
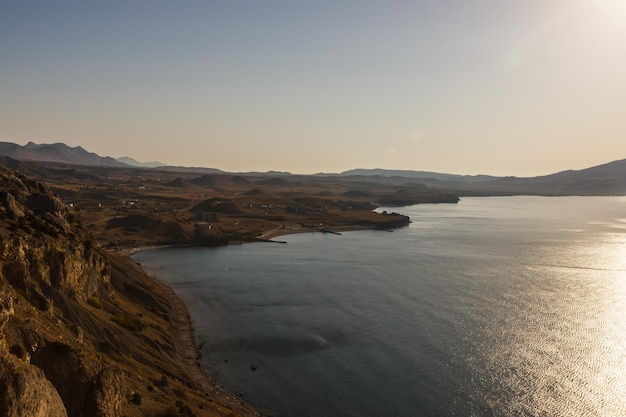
{"points": [[499, 306]]}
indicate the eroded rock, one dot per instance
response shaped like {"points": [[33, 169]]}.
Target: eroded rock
{"points": [[25, 391]]}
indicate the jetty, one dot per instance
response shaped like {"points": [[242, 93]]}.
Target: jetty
{"points": [[323, 230]]}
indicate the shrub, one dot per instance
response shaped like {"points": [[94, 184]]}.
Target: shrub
{"points": [[131, 323], [180, 409], [162, 382], [136, 398], [95, 302]]}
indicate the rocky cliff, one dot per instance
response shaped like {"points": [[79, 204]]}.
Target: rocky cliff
{"points": [[84, 332]]}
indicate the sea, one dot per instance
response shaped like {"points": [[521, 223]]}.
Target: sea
{"points": [[495, 306]]}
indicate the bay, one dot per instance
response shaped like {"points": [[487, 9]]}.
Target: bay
{"points": [[499, 306]]}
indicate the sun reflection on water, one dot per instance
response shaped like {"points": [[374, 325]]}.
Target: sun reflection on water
{"points": [[576, 340], [561, 349]]}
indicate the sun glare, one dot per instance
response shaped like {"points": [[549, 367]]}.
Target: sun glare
{"points": [[614, 8]]}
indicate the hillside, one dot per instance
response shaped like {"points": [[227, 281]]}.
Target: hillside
{"points": [[126, 207], [133, 162], [423, 175], [84, 332], [605, 179], [56, 152]]}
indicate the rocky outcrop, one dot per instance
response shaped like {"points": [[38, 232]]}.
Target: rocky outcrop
{"points": [[6, 308], [46, 258], [6, 312], [44, 252], [84, 332], [105, 398], [25, 391], [53, 265], [32, 201], [85, 387]]}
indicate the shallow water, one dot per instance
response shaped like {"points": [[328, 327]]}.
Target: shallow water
{"points": [[507, 306]]}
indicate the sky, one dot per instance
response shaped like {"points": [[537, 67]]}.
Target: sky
{"points": [[516, 87]]}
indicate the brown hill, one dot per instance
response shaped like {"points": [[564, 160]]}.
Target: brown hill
{"points": [[274, 181], [153, 227], [178, 182], [254, 191], [357, 193], [238, 179], [55, 152], [84, 332], [218, 206], [211, 180]]}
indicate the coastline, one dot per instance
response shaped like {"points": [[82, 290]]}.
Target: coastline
{"points": [[189, 353], [182, 325], [292, 231], [264, 237]]}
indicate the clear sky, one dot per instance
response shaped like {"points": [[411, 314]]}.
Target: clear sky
{"points": [[515, 87]]}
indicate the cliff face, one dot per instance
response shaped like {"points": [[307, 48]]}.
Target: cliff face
{"points": [[47, 267], [84, 332]]}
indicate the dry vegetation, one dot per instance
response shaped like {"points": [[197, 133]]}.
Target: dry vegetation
{"points": [[140, 207], [84, 331]]}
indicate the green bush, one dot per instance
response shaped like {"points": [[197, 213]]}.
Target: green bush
{"points": [[95, 302], [131, 323]]}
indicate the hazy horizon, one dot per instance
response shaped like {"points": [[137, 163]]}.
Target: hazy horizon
{"points": [[144, 162], [485, 87]]}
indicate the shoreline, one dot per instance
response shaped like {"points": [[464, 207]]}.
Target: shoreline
{"points": [[183, 330], [292, 231], [182, 325], [264, 237]]}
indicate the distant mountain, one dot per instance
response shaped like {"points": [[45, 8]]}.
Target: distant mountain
{"points": [[196, 170], [418, 174], [605, 179], [133, 162], [56, 152]]}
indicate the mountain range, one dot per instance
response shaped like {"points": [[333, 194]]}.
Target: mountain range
{"points": [[418, 175], [605, 179], [60, 152], [133, 162]]}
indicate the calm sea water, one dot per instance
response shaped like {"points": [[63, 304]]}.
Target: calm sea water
{"points": [[507, 306]]}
